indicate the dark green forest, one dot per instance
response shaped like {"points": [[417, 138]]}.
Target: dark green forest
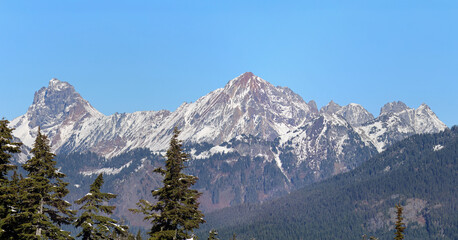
{"points": [[358, 202]]}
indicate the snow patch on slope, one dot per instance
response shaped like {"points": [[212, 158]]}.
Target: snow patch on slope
{"points": [[280, 166], [372, 133], [438, 147], [107, 171], [23, 131], [214, 150]]}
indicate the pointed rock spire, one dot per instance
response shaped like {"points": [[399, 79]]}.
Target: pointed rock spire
{"points": [[313, 107], [355, 114], [331, 108], [57, 85], [57, 102], [247, 81]]}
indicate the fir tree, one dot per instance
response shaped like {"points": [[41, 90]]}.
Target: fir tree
{"points": [[124, 236], [12, 219], [7, 147], [93, 224], [176, 212], [43, 207], [370, 238], [8, 189], [139, 235], [399, 224], [213, 235]]}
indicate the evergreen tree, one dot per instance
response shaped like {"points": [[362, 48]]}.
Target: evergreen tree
{"points": [[124, 236], [213, 235], [370, 238], [139, 235], [42, 206], [95, 225], [13, 195], [8, 189], [176, 212], [399, 224], [7, 147], [234, 237]]}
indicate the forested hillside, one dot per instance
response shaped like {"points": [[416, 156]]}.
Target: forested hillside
{"points": [[420, 173]]}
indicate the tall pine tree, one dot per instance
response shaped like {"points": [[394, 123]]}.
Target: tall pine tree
{"points": [[234, 236], [7, 147], [139, 235], [399, 226], [94, 221], [213, 235], [43, 206], [176, 213], [8, 188]]}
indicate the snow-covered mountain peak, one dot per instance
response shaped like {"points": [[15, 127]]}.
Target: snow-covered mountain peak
{"points": [[393, 107], [57, 102], [397, 121], [243, 78], [57, 85], [54, 109], [424, 107], [247, 82], [246, 105], [427, 121], [355, 114]]}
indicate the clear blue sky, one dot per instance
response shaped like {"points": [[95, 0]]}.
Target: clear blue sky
{"points": [[126, 56]]}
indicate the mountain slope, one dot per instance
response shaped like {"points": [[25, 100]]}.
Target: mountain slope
{"points": [[396, 122], [418, 172]]}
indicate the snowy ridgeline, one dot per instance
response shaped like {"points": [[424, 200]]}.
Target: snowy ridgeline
{"points": [[247, 105]]}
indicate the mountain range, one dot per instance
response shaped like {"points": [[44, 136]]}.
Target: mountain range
{"points": [[248, 141]]}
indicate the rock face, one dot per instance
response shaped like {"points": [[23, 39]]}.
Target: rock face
{"points": [[327, 145], [249, 141], [59, 110], [73, 125], [393, 107], [353, 113], [396, 122]]}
